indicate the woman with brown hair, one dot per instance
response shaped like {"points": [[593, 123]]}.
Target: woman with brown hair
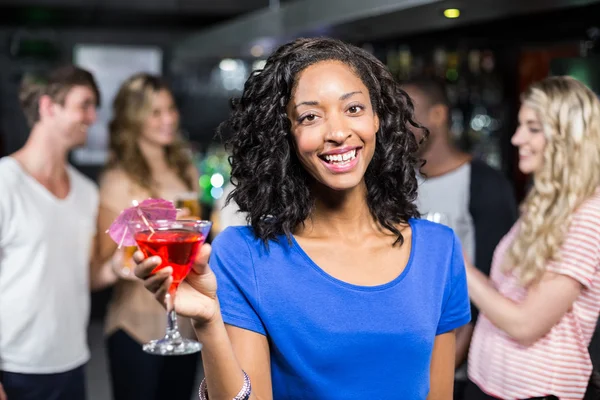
{"points": [[148, 159]]}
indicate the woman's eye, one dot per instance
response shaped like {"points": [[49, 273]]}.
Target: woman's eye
{"points": [[355, 109], [307, 118]]}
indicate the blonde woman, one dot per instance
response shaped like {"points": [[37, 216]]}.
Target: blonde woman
{"points": [[148, 159], [540, 306]]}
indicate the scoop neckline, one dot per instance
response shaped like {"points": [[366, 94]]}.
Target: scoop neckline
{"points": [[296, 246]]}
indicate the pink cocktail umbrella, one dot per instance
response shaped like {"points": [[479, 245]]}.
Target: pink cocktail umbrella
{"points": [[145, 212]]}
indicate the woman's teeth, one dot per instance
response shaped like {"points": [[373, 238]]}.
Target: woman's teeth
{"points": [[341, 158]]}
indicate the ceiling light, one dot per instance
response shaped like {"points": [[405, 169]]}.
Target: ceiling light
{"points": [[227, 64], [257, 50], [452, 13]]}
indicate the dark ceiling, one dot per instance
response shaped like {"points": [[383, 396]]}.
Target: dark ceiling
{"points": [[159, 14], [199, 15], [231, 27], [360, 21]]}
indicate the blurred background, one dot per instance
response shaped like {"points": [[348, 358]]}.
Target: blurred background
{"points": [[487, 51]]}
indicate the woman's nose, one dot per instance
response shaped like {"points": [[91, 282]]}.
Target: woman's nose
{"points": [[337, 130], [519, 137]]}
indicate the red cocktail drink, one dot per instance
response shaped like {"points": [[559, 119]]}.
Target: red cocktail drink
{"points": [[177, 249], [177, 244]]}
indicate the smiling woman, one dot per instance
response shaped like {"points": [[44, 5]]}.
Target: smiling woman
{"points": [[324, 164], [530, 140], [540, 306], [369, 94], [335, 137]]}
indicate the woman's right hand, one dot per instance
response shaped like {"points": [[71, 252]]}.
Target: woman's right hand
{"points": [[196, 296]]}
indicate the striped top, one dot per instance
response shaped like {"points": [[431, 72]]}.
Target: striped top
{"points": [[559, 363]]}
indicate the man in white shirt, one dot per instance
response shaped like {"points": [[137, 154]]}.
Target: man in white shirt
{"points": [[48, 214]]}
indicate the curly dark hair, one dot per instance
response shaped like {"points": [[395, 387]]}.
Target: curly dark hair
{"points": [[271, 185]]}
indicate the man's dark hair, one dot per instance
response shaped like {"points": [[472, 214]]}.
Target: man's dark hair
{"points": [[434, 89]]}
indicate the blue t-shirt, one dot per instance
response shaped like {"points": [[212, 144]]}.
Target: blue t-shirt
{"points": [[333, 340]]}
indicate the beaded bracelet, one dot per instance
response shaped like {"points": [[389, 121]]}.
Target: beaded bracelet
{"points": [[244, 393]]}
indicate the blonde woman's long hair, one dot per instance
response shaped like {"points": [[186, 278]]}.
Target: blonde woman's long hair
{"points": [[131, 107], [570, 116]]}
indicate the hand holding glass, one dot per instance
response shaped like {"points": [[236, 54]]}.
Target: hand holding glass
{"points": [[177, 244]]}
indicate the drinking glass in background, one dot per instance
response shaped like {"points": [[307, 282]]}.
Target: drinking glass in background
{"points": [[438, 217], [190, 202], [461, 227]]}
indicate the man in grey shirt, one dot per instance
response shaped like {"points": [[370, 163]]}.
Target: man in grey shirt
{"points": [[466, 194]]}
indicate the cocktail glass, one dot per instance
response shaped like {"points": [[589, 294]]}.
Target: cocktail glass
{"points": [[177, 243]]}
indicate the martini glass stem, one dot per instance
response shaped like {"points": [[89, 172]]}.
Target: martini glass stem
{"points": [[172, 327]]}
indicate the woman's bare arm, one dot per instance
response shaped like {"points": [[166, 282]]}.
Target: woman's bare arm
{"points": [[441, 386]]}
